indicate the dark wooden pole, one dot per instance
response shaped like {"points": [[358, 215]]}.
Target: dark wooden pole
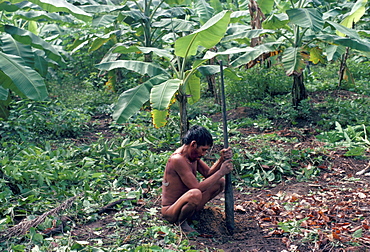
{"points": [[229, 198]]}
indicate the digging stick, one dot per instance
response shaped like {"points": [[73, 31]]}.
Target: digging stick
{"points": [[229, 198]]}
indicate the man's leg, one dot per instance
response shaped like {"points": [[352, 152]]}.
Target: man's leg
{"points": [[183, 208], [211, 193]]}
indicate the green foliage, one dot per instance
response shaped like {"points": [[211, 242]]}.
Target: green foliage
{"points": [[345, 112], [265, 167], [48, 120], [257, 84], [354, 138]]}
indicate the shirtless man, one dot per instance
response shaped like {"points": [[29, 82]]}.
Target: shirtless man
{"points": [[182, 193]]}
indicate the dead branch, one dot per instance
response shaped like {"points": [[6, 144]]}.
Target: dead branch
{"points": [[22, 227], [110, 206]]}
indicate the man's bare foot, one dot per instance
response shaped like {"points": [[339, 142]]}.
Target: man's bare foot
{"points": [[185, 227]]}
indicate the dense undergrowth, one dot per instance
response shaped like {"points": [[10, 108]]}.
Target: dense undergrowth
{"points": [[51, 151]]}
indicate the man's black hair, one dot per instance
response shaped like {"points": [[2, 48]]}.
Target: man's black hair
{"points": [[200, 134]]}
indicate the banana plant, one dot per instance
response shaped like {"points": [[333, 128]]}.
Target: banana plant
{"points": [[357, 11], [299, 29], [165, 86], [24, 56]]}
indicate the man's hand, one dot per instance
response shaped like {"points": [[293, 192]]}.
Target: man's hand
{"points": [[226, 153], [226, 167]]}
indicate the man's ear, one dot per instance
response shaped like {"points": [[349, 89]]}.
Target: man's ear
{"points": [[193, 143]]}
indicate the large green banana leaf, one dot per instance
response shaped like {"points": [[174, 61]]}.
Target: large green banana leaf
{"points": [[193, 89], [292, 61], [276, 21], [161, 95], [42, 15], [356, 44], [23, 78], [343, 31], [61, 6], [133, 65], [121, 48], [204, 11], [133, 99], [249, 53], [11, 46], [5, 100], [244, 33], [28, 38], [357, 11], [306, 18], [207, 36]]}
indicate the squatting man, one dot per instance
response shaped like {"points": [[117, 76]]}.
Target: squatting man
{"points": [[182, 194]]}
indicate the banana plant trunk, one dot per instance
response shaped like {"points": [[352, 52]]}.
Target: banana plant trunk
{"points": [[184, 123], [299, 92]]}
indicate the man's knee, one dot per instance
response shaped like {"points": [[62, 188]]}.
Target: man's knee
{"points": [[195, 196]]}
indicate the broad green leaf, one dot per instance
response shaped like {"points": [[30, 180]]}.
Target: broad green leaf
{"points": [[101, 40], [121, 48], [26, 80], [356, 44], [276, 21], [8, 7], [140, 67], [104, 21], [357, 11], [236, 16], [214, 69], [40, 64], [248, 34], [133, 99], [343, 31], [133, 16], [174, 24], [334, 52], [101, 8], [192, 89], [207, 36], [159, 117], [204, 11], [5, 100], [216, 5], [11, 46], [292, 60], [161, 95], [306, 18], [28, 38], [250, 53], [198, 63], [209, 69], [4, 93], [61, 6], [42, 16], [174, 2], [266, 6]]}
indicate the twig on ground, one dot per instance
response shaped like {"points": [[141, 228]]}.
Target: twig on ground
{"points": [[22, 227]]}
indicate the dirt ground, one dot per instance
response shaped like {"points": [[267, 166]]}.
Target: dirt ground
{"points": [[331, 212]]}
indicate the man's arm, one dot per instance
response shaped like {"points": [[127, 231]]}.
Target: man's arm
{"points": [[183, 169], [204, 169]]}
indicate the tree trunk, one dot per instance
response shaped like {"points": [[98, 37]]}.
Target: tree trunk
{"points": [[184, 123], [299, 92], [343, 66]]}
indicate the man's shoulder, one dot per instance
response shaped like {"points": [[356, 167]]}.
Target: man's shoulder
{"points": [[177, 157]]}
